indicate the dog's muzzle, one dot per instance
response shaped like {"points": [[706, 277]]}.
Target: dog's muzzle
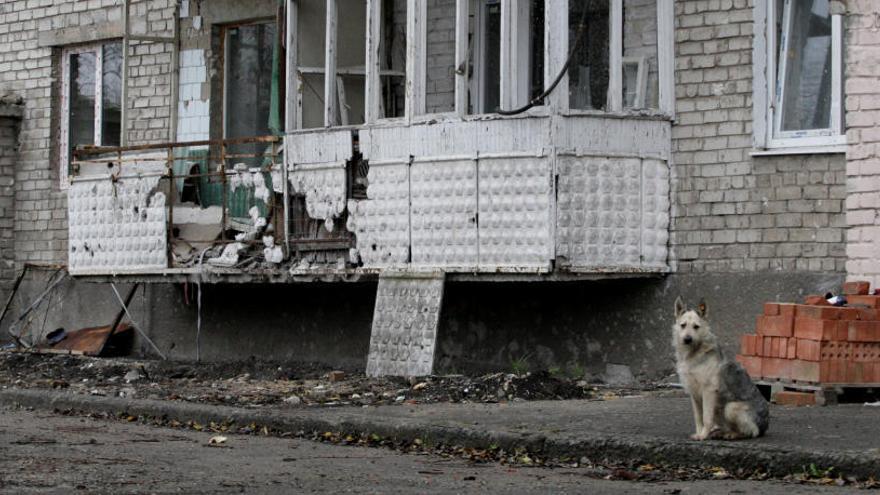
{"points": [[687, 340]]}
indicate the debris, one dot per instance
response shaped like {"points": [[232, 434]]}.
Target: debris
{"points": [[229, 257], [127, 393], [55, 336], [132, 376], [217, 440], [293, 400], [873, 404], [336, 376]]}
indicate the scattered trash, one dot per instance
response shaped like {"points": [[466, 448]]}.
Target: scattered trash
{"points": [[56, 336], [873, 404], [217, 440], [336, 376], [132, 376], [293, 400]]}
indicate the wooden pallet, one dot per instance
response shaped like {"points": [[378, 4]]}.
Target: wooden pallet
{"points": [[826, 393]]}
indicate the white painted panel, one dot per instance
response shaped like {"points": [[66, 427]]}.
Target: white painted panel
{"points": [[599, 213], [444, 206], [116, 227], [655, 213], [381, 222], [515, 205], [323, 185]]}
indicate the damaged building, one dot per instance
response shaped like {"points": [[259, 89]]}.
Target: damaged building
{"points": [[417, 186]]}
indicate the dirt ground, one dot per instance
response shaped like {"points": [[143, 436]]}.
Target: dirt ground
{"points": [[261, 383]]}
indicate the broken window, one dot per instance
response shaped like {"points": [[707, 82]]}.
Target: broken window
{"points": [[804, 86], [310, 59], [91, 97], [802, 75], [526, 58], [392, 59], [439, 57], [350, 62], [588, 39], [640, 71], [248, 85]]}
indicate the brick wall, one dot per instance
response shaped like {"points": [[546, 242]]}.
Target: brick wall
{"points": [[10, 117], [30, 68], [863, 159], [731, 211]]}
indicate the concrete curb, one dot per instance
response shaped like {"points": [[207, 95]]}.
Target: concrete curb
{"points": [[732, 456]]}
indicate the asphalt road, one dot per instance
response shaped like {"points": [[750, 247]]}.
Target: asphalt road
{"points": [[46, 453]]}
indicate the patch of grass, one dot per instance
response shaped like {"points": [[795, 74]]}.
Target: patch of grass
{"points": [[576, 371], [520, 365]]}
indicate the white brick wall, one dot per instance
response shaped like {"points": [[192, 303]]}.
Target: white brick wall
{"points": [[731, 211], [863, 137], [193, 112]]}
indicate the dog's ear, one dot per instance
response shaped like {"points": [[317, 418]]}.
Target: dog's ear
{"points": [[703, 308], [679, 307]]}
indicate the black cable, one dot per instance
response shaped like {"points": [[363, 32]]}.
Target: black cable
{"points": [[538, 99]]}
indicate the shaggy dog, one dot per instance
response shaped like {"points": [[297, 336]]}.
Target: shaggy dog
{"points": [[725, 401]]}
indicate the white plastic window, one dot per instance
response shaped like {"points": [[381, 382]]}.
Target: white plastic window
{"points": [[91, 97], [803, 74]]}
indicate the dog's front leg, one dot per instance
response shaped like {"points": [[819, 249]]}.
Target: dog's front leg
{"points": [[710, 402], [697, 405]]}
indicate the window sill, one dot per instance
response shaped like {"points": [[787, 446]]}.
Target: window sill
{"points": [[801, 150]]}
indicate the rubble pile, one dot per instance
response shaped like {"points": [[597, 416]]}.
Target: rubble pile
{"points": [[258, 383]]}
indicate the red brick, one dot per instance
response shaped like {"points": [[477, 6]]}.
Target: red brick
{"points": [[787, 309], [808, 328], [776, 367], [869, 301], [866, 352], [855, 372], [792, 348], [808, 350], [749, 345], [771, 309], [788, 398], [816, 300], [867, 314], [767, 346], [805, 371], [864, 331], [818, 312], [775, 326], [849, 313], [752, 365], [842, 331], [857, 288]]}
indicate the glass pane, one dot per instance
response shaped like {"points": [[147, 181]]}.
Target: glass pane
{"points": [[440, 57], [484, 56], [588, 36], [393, 58], [536, 49], [249, 84], [807, 79], [311, 29], [641, 82], [351, 34], [81, 126], [111, 95]]}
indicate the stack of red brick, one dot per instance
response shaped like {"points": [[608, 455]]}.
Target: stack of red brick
{"points": [[816, 342]]}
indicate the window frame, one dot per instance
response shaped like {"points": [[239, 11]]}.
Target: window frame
{"points": [[768, 138], [64, 136], [555, 55], [224, 85]]}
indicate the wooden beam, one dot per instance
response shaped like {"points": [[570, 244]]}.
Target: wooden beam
{"points": [[373, 81], [666, 55], [330, 97], [615, 72], [556, 52], [291, 82], [461, 56]]}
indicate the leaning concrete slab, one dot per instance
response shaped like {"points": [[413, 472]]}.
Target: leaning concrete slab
{"points": [[648, 430], [405, 321]]}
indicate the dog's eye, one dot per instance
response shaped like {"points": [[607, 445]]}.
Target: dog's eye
{"points": [[683, 325], [696, 327]]}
